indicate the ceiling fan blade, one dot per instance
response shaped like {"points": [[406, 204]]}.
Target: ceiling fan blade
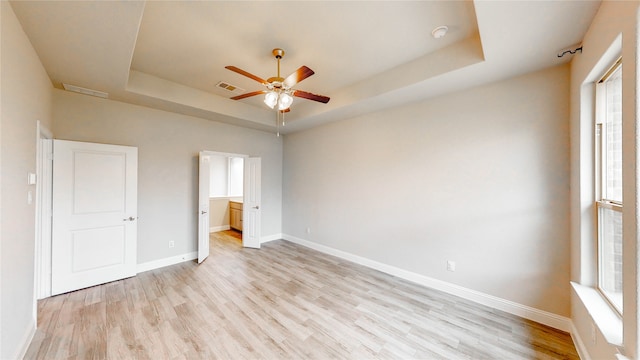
{"points": [[310, 96], [247, 74], [302, 73], [254, 93]]}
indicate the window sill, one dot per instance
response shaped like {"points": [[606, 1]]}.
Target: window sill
{"points": [[605, 318]]}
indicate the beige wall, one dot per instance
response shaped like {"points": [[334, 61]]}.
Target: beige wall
{"points": [[480, 177], [168, 146], [614, 19], [218, 212], [25, 98]]}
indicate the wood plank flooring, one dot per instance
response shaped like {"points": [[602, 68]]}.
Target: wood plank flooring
{"points": [[281, 302]]}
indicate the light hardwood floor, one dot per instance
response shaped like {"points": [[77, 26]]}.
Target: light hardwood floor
{"points": [[281, 302]]}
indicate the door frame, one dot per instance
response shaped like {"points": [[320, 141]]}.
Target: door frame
{"points": [[226, 154], [43, 213]]}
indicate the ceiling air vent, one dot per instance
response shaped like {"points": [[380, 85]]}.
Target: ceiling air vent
{"points": [[85, 91], [229, 87]]}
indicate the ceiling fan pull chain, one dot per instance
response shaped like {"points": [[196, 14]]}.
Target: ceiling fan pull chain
{"points": [[277, 125]]}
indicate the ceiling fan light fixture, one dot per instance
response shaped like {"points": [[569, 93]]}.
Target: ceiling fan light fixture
{"points": [[284, 101], [271, 99], [279, 90]]}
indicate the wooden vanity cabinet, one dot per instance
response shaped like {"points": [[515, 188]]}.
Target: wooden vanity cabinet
{"points": [[235, 215]]}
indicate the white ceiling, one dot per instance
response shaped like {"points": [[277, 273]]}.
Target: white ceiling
{"points": [[367, 55]]}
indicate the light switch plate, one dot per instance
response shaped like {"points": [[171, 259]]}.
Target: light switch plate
{"points": [[31, 179]]}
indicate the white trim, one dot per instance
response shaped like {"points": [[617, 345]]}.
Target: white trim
{"points": [[527, 312], [225, 154], [156, 264], [21, 350], [583, 354], [219, 228], [602, 314], [43, 130], [43, 204], [268, 238]]}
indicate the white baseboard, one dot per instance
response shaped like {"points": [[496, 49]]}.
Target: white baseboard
{"points": [[577, 341], [27, 337], [527, 312], [156, 264], [219, 228], [268, 238]]}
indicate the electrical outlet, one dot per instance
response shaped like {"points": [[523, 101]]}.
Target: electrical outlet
{"points": [[171, 244], [593, 333], [451, 265]]}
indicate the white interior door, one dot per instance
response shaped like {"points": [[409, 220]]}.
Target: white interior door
{"points": [[251, 208], [94, 237], [203, 206]]}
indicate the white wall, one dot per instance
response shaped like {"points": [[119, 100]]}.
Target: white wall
{"points": [[614, 19], [218, 176], [25, 98], [168, 146], [236, 176], [480, 177], [226, 176]]}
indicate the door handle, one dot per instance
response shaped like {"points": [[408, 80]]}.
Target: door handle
{"points": [[131, 218], [202, 212], [257, 207]]}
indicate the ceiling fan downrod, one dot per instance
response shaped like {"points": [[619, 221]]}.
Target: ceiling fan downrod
{"points": [[277, 81], [278, 53]]}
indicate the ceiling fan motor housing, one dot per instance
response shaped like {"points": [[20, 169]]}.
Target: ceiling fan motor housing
{"points": [[278, 53], [275, 82]]}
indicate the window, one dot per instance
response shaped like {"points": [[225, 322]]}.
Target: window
{"points": [[609, 184]]}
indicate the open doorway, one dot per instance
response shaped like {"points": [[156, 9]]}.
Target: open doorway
{"points": [[226, 179], [228, 198]]}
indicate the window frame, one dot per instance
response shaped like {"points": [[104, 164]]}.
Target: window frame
{"points": [[602, 200]]}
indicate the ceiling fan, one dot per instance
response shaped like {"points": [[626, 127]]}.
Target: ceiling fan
{"points": [[279, 90]]}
